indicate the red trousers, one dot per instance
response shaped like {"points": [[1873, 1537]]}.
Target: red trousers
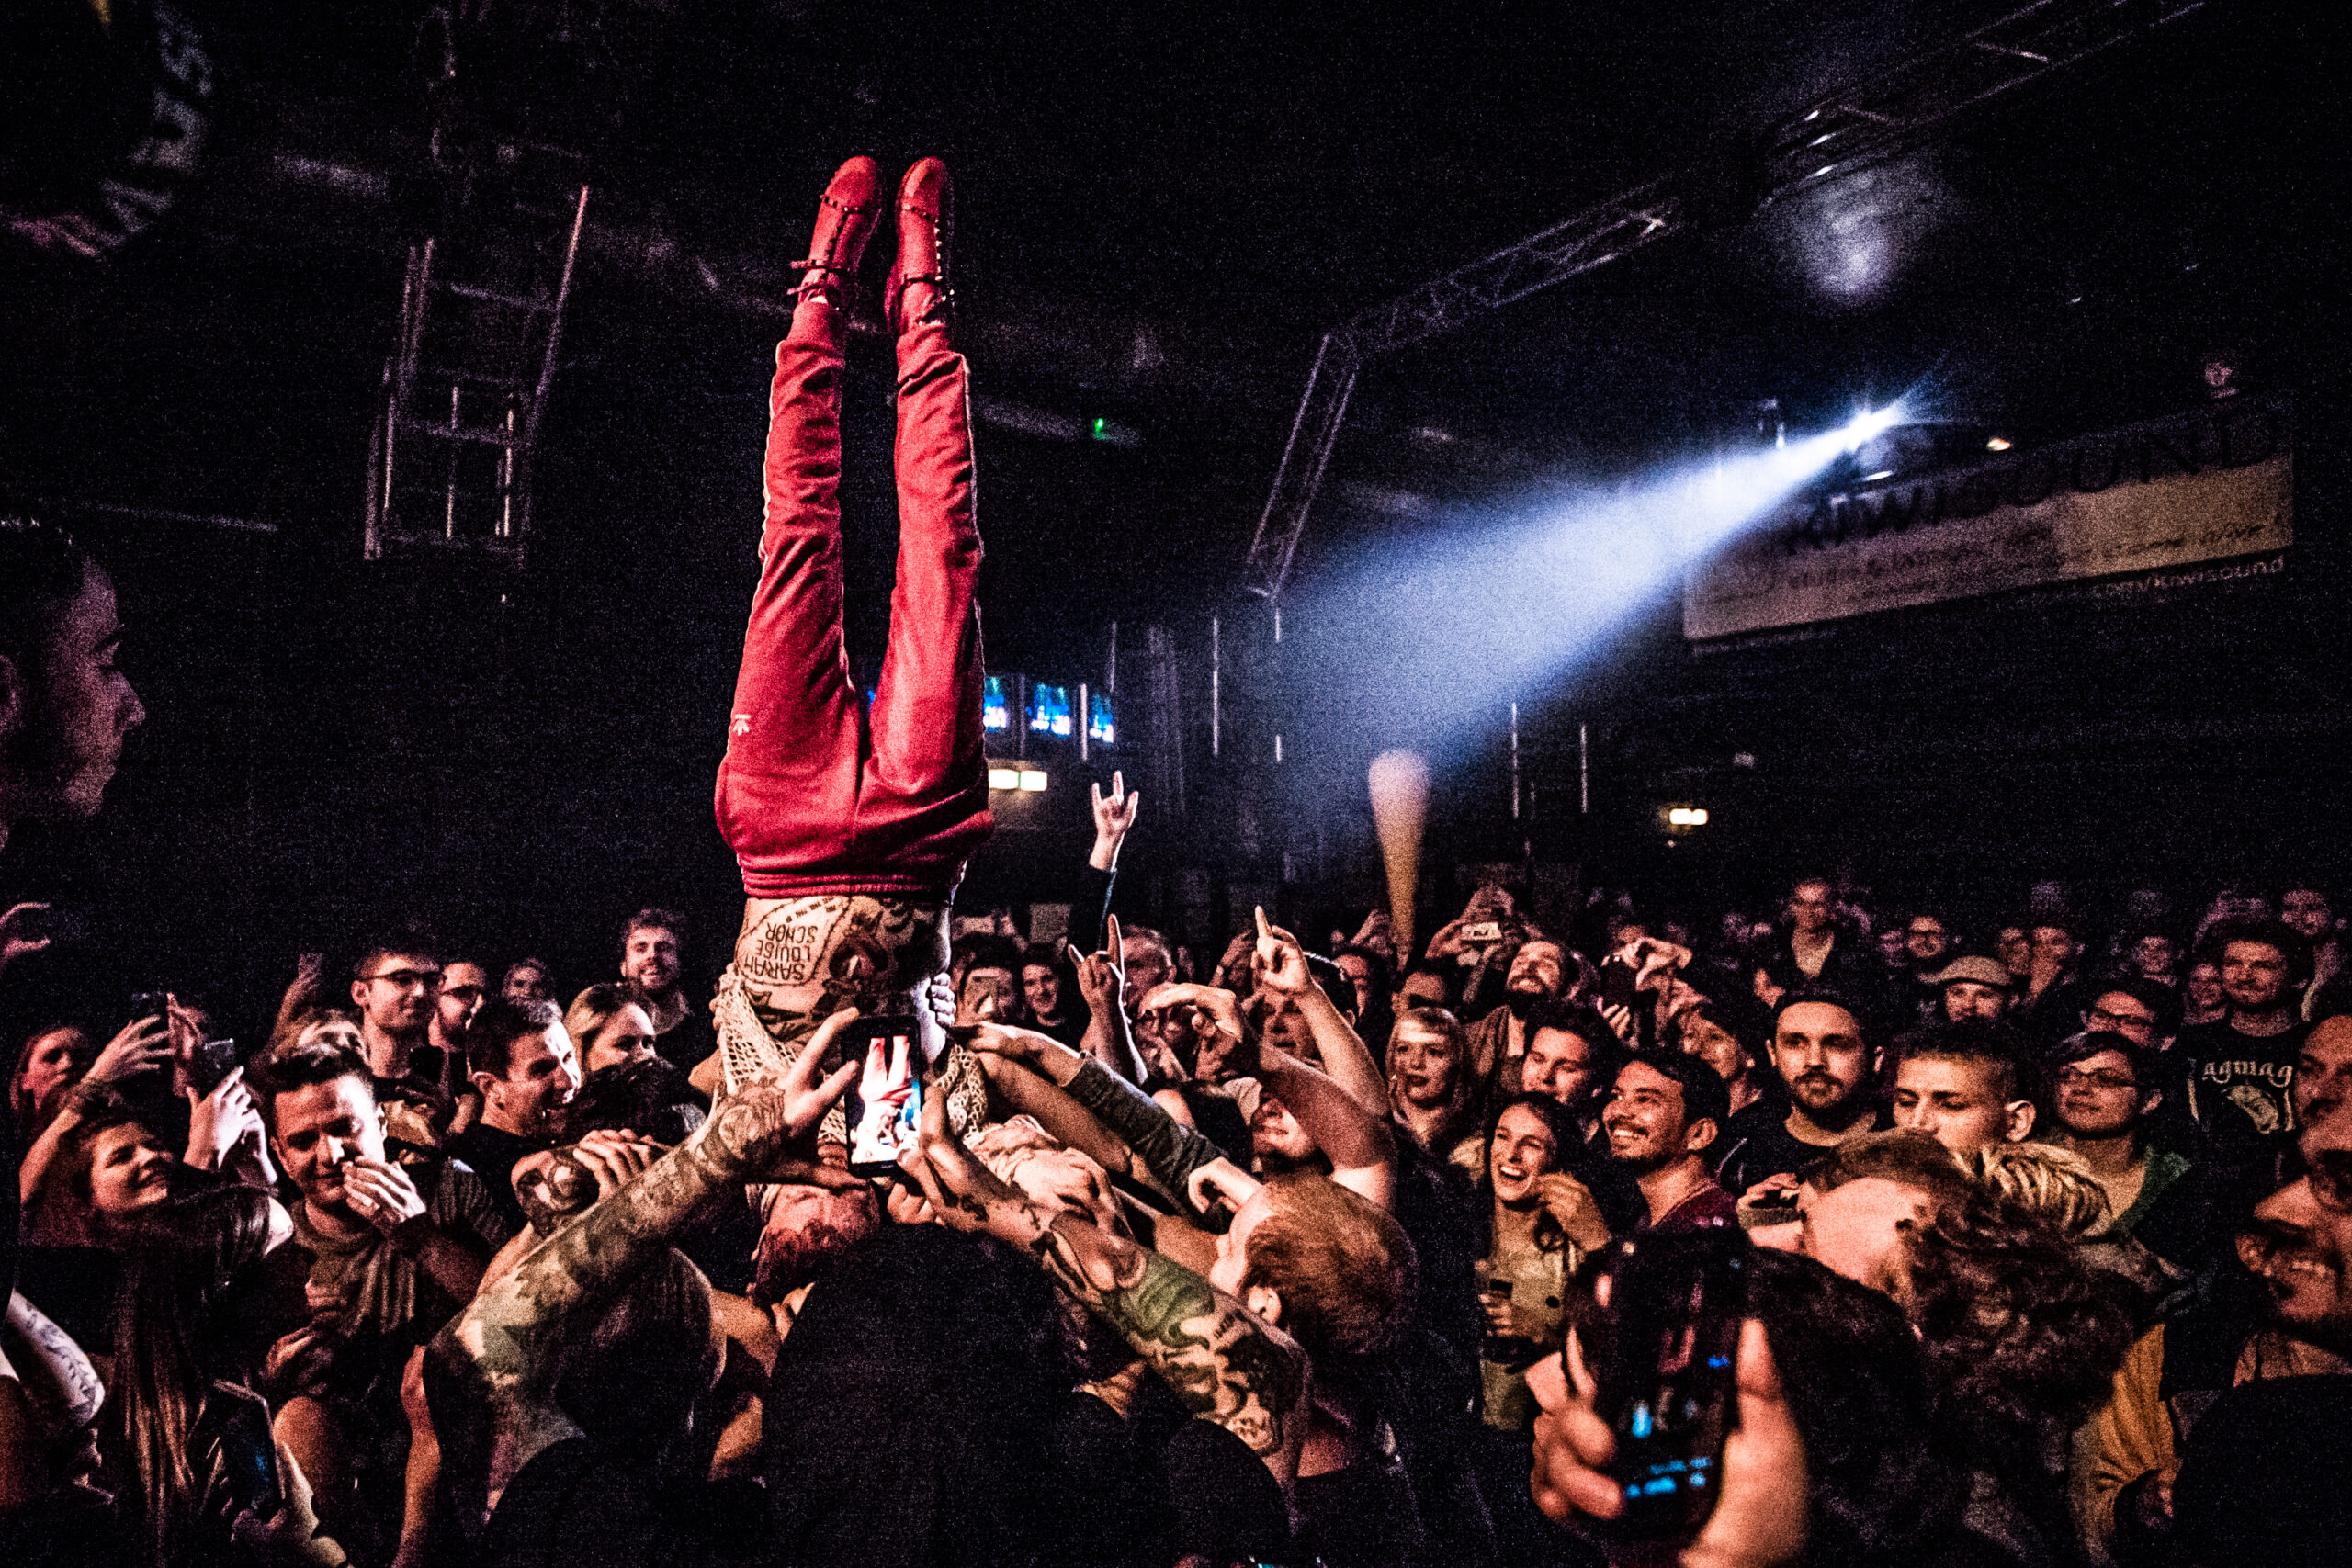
{"points": [[816, 794]]}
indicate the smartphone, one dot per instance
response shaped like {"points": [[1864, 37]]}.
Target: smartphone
{"points": [[210, 1063], [883, 1121], [1659, 1338], [148, 1004], [428, 1063], [249, 1456], [1483, 933], [1617, 983]]}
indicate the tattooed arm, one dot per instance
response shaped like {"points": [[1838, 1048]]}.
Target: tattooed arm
{"points": [[1228, 1365], [492, 1368], [1028, 1092], [1170, 1150]]}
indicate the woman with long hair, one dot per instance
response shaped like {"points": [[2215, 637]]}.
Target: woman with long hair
{"points": [[1539, 1222], [206, 1482], [611, 1027], [1432, 1093]]}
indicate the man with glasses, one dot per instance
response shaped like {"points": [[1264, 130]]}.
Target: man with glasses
{"points": [[396, 986], [2141, 1010], [1925, 948], [2109, 1088], [464, 985]]}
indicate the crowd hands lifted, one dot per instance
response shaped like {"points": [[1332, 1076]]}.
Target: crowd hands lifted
{"points": [[1256, 1254]]}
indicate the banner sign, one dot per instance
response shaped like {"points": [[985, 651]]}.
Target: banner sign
{"points": [[2153, 497]]}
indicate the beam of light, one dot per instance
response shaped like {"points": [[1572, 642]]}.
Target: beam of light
{"points": [[1422, 636]]}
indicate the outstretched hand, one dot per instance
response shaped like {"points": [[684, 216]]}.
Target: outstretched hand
{"points": [[1103, 976], [1224, 1044], [1279, 963], [1220, 1184], [962, 1194], [766, 1131], [142, 1046], [20, 936]]}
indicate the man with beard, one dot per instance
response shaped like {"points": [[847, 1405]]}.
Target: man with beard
{"points": [[1663, 1115], [2297, 1247], [2241, 1068], [1539, 972], [1831, 1073], [464, 985], [653, 965]]}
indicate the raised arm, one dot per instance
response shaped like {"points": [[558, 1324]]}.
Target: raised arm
{"points": [[1103, 980], [1227, 1365], [1281, 966], [1169, 1151], [1027, 1092], [144, 1045], [1115, 818]]}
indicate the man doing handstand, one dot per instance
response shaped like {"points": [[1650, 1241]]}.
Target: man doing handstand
{"points": [[852, 828]]}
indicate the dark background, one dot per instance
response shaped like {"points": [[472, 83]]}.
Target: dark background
{"points": [[1160, 210]]}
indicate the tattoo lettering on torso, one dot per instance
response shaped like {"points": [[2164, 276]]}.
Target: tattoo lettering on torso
{"points": [[785, 945], [802, 959]]}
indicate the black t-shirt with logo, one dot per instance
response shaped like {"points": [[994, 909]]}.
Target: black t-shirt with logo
{"points": [[2240, 1087]]}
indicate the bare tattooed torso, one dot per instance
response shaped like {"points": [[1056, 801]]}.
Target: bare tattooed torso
{"points": [[799, 959]]}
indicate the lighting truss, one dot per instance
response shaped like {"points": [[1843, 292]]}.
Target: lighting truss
{"points": [[1868, 122]]}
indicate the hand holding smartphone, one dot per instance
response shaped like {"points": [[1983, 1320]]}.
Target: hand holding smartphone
{"points": [[1659, 1333]]}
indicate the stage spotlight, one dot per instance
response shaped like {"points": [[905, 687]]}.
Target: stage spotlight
{"points": [[1032, 781], [1867, 425], [1686, 816], [1997, 444], [1004, 778], [1518, 594]]}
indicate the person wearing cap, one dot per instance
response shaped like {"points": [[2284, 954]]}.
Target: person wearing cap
{"points": [[1975, 987]]}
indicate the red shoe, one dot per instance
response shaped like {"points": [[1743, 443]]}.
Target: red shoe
{"points": [[926, 219], [844, 223]]}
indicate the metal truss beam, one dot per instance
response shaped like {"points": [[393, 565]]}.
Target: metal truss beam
{"points": [[1869, 121]]}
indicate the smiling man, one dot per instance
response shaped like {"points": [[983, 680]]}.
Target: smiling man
{"points": [[382, 1255], [524, 1066], [1663, 1115], [2298, 1245]]}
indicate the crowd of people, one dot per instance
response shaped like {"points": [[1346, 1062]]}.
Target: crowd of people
{"points": [[1292, 1251]]}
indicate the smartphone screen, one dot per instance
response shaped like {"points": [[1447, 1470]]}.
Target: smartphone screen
{"points": [[1617, 983], [885, 1103], [1660, 1342], [210, 1063], [249, 1455]]}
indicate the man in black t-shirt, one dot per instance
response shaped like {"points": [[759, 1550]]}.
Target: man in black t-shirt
{"points": [[527, 1071], [2240, 1070], [1832, 1074]]}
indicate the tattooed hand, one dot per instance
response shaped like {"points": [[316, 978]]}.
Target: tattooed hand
{"points": [[763, 1134], [555, 1183]]}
